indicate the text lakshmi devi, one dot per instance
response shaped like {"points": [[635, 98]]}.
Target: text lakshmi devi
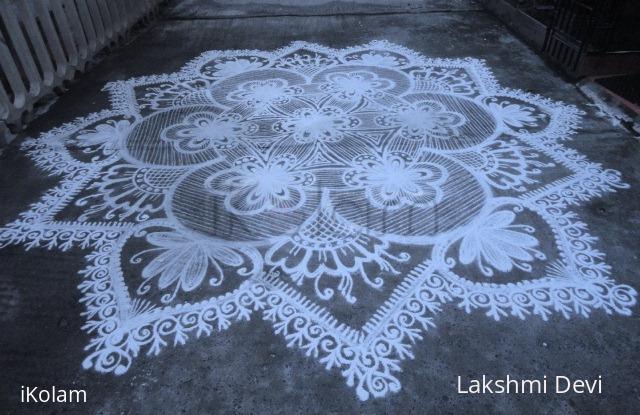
{"points": [[507, 385]]}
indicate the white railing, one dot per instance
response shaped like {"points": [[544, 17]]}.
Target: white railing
{"points": [[45, 42]]}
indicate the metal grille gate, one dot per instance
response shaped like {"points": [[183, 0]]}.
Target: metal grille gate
{"points": [[578, 27]]}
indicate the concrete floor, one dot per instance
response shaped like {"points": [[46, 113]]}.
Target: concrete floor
{"points": [[249, 369]]}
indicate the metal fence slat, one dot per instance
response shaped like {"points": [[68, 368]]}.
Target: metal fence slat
{"points": [[87, 25], [44, 42], [52, 39], [28, 67], [73, 19], [45, 60], [106, 18], [96, 17], [61, 22]]}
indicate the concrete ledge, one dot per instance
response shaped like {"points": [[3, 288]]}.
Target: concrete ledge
{"points": [[612, 106]]}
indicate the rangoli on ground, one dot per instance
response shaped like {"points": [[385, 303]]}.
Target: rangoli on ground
{"points": [[344, 196]]}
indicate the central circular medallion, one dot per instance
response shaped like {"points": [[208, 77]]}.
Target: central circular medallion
{"points": [[271, 148]]}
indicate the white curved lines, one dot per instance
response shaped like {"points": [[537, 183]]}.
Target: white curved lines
{"points": [[250, 177], [498, 244], [393, 180], [202, 130], [309, 125], [253, 186]]}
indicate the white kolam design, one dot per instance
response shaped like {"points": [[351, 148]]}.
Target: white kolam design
{"points": [[300, 183]]}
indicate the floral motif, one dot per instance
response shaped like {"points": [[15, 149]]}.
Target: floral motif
{"points": [[170, 94], [354, 85], [394, 180], [499, 244], [514, 114], [307, 62], [202, 130], [506, 164], [261, 93], [185, 261], [379, 59], [328, 245], [307, 125], [234, 66], [446, 80], [104, 137], [252, 186], [128, 190], [423, 119]]}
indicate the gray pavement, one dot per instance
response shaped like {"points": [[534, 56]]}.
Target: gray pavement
{"points": [[248, 368], [190, 9]]}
